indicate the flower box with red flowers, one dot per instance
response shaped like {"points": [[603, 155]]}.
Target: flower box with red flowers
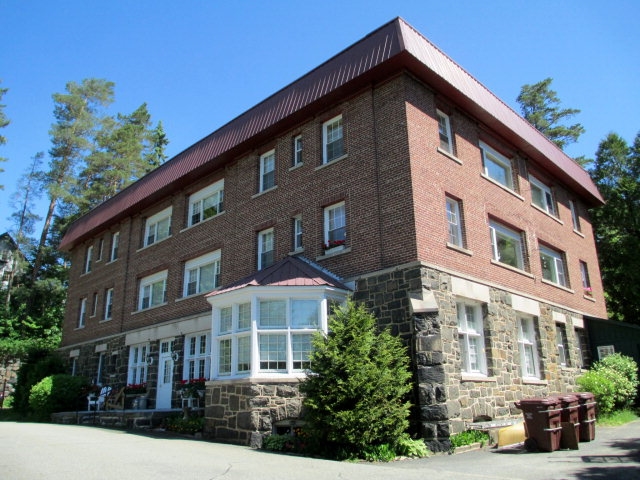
{"points": [[192, 388], [333, 244]]}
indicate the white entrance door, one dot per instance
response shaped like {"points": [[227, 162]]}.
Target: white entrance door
{"points": [[165, 375]]}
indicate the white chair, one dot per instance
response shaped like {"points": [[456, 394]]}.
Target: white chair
{"points": [[97, 402]]}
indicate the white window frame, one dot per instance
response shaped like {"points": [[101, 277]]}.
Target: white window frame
{"points": [[584, 274], [332, 134], [148, 289], [100, 249], [335, 226], [266, 246], [297, 233], [472, 363], [82, 314], [557, 271], [193, 273], [115, 242], [108, 304], [297, 150], [561, 345], [444, 131], [239, 344], [267, 170], [94, 306], [88, 259], [206, 203], [454, 222], [541, 196], [528, 343], [158, 227], [499, 232], [197, 356], [575, 218], [492, 161], [138, 366]]}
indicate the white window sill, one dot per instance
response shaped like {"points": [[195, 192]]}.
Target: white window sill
{"points": [[296, 166], [455, 247], [149, 308], [335, 160], [578, 232], [203, 221], [590, 298], [476, 377], [557, 285], [333, 253], [542, 210], [259, 194], [533, 381], [513, 269], [297, 251], [154, 243], [111, 261], [504, 187], [449, 155], [79, 328], [105, 320]]}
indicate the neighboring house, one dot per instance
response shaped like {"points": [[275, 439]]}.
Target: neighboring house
{"points": [[10, 257], [387, 173]]}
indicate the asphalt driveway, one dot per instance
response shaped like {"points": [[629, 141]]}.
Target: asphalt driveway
{"points": [[67, 452]]}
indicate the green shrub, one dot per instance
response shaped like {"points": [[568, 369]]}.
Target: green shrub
{"points": [[189, 425], [408, 447], [379, 453], [613, 381], [8, 402], [355, 393], [37, 365], [56, 393], [469, 437]]}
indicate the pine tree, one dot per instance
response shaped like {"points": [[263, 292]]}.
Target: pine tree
{"points": [[357, 387]]}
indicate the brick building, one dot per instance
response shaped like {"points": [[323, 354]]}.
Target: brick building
{"points": [[387, 173]]}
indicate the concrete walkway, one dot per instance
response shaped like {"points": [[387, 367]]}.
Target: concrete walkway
{"points": [[69, 452]]}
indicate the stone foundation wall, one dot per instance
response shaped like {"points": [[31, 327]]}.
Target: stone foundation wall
{"points": [[446, 400], [243, 412], [8, 377]]}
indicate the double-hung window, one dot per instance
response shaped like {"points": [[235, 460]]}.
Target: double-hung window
{"points": [[552, 264], [206, 203], [444, 130], [197, 356], [297, 233], [575, 217], [561, 343], [108, 304], [158, 227], [297, 150], [332, 139], [541, 196], [202, 274], [88, 259], [454, 221], [506, 245], [265, 248], [138, 355], [115, 242], [335, 226], [496, 166], [528, 347], [153, 290], [82, 315], [586, 281], [471, 338], [267, 170]]}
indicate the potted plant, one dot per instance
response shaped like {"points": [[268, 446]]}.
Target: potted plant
{"points": [[192, 388]]}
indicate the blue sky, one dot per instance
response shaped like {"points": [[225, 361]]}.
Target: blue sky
{"points": [[199, 64]]}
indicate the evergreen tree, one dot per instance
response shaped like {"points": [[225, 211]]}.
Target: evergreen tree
{"points": [[617, 224], [4, 121], [541, 107], [357, 387]]}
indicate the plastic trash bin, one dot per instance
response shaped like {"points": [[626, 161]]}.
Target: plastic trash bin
{"points": [[587, 416], [542, 417], [569, 419]]}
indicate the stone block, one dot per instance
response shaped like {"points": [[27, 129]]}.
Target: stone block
{"points": [[433, 412], [244, 421], [431, 374], [259, 402], [286, 391], [216, 411], [429, 343]]}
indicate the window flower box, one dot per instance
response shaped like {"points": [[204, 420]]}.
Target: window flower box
{"points": [[333, 245], [135, 389], [588, 291], [193, 388]]}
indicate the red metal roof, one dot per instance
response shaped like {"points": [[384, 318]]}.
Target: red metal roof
{"points": [[289, 272], [390, 48]]}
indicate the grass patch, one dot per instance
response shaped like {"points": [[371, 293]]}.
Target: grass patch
{"points": [[619, 417]]}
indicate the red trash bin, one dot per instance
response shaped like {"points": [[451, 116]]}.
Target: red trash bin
{"points": [[587, 416], [542, 418], [569, 414]]}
